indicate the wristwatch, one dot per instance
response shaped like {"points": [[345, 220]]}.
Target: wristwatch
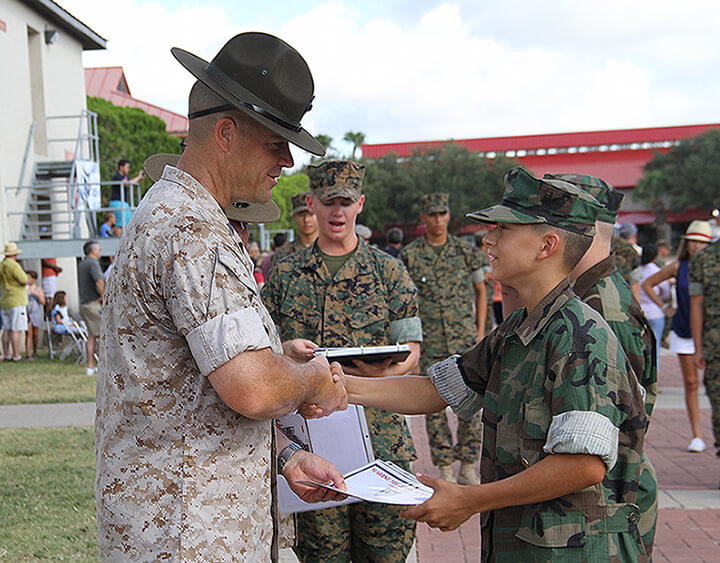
{"points": [[285, 455]]}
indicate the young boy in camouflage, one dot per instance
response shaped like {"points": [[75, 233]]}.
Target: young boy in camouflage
{"points": [[450, 278], [561, 407], [341, 292]]}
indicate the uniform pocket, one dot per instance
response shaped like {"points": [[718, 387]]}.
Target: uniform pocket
{"points": [[553, 530], [533, 431]]}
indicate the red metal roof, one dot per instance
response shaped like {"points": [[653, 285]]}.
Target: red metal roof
{"points": [[110, 84]]}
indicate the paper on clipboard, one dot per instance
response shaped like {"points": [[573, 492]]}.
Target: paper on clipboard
{"points": [[382, 481]]}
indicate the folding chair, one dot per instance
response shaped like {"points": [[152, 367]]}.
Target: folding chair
{"points": [[78, 333]]}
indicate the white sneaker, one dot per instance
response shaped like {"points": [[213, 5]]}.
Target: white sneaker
{"points": [[696, 445], [93, 371]]}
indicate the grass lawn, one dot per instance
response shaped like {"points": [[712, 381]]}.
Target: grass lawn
{"points": [[47, 506], [45, 381]]}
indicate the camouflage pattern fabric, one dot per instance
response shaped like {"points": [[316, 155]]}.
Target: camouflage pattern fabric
{"points": [[606, 195], [286, 250], [180, 475], [704, 274], [627, 260], [604, 289], [299, 202], [354, 308], [530, 200], [336, 178], [371, 523], [562, 359], [435, 203], [447, 308]]}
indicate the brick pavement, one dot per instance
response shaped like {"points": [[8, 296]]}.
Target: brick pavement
{"points": [[685, 534]]}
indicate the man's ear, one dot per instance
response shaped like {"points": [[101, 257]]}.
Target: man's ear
{"points": [[361, 202], [224, 131], [550, 245], [310, 202]]}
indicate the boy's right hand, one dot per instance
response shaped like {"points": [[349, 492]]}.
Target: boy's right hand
{"points": [[332, 395]]}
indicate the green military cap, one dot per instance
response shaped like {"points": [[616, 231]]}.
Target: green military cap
{"points": [[608, 196], [530, 200], [336, 178], [299, 202], [435, 203]]}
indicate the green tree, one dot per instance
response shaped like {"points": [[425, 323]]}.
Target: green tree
{"points": [[357, 139], [686, 176], [326, 142], [128, 133], [393, 186]]}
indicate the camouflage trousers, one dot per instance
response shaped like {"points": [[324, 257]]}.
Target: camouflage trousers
{"points": [[469, 439], [361, 532], [711, 380]]}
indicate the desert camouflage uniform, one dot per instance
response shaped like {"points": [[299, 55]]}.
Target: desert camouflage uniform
{"points": [[603, 288], [370, 301], [180, 476], [447, 308], [704, 273], [556, 381], [627, 260]]}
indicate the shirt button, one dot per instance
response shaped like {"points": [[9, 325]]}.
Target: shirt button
{"points": [[633, 517]]}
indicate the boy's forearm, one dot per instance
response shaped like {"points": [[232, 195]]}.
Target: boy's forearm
{"points": [[408, 394]]}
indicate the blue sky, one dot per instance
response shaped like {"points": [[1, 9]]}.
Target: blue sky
{"points": [[403, 71]]}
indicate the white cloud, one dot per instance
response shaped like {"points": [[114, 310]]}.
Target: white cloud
{"points": [[428, 70]]}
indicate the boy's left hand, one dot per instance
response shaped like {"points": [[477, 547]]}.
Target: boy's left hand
{"points": [[447, 509]]}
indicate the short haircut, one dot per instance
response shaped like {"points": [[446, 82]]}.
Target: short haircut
{"points": [[89, 245], [123, 162], [394, 236], [575, 245], [279, 239], [649, 253]]}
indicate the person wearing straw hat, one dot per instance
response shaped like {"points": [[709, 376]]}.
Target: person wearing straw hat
{"points": [[191, 371], [704, 290], [697, 236], [13, 302]]}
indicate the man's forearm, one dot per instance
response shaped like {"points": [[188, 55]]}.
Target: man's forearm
{"points": [[408, 394]]}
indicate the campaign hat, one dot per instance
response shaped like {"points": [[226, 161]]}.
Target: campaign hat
{"points": [[265, 78]]}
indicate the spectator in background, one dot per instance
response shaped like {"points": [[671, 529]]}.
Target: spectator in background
{"points": [[121, 199], [394, 238], [655, 315], [91, 285], [108, 224], [13, 302], [363, 232], [663, 251], [627, 256], [62, 322], [117, 231], [35, 313], [278, 240], [49, 271], [697, 237], [307, 227]]}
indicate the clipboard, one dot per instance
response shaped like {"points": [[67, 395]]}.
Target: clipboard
{"points": [[396, 353]]}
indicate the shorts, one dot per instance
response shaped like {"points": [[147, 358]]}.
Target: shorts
{"points": [[680, 345], [90, 313], [49, 285], [15, 319]]}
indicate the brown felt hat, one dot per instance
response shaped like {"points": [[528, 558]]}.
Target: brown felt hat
{"points": [[264, 77]]}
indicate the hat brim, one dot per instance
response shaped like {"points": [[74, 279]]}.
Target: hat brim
{"points": [[502, 214], [254, 212], [698, 238], [155, 164], [198, 68]]}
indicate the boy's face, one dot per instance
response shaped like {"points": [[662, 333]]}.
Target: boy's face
{"points": [[512, 249], [336, 217]]}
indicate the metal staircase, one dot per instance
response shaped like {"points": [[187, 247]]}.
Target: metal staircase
{"points": [[48, 211]]}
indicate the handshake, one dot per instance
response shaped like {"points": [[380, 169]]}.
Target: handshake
{"points": [[331, 396]]}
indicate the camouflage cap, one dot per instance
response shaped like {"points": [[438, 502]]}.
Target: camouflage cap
{"points": [[608, 196], [299, 202], [336, 178], [530, 200], [435, 203]]}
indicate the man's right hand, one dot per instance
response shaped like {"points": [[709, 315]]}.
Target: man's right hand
{"points": [[331, 397]]}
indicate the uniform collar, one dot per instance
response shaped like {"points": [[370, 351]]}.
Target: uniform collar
{"points": [[203, 198], [359, 262], [591, 276], [543, 312]]}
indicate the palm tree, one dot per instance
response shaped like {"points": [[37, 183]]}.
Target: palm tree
{"points": [[356, 139]]}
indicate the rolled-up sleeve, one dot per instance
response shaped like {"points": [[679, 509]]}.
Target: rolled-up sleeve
{"points": [[217, 341], [450, 384], [406, 330], [583, 432]]}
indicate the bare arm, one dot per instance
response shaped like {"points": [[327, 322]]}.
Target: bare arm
{"points": [[669, 271], [409, 394], [697, 319], [480, 308], [552, 477], [100, 286], [635, 289], [261, 385]]}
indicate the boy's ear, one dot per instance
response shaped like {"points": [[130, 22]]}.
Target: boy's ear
{"points": [[550, 246]]}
